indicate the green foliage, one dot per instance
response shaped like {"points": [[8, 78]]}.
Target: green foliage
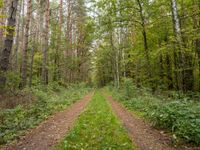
{"points": [[97, 128], [178, 114], [128, 87], [182, 117], [13, 122], [137, 38], [1, 3], [13, 80]]}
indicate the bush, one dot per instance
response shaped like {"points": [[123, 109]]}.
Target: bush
{"points": [[12, 80], [183, 118], [128, 87]]}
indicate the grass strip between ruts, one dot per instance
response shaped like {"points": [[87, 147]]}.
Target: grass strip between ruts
{"points": [[97, 129]]}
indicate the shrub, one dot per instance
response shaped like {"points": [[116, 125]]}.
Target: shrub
{"points": [[183, 118], [128, 87]]}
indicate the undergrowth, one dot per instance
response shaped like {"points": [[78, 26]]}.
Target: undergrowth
{"points": [[180, 115], [97, 129], [14, 122]]}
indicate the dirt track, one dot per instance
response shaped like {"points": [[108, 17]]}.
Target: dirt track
{"points": [[46, 135], [141, 133]]}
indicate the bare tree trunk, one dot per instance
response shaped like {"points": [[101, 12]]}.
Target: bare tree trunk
{"points": [[46, 41], [68, 52], [23, 24], [7, 47], [25, 47], [15, 65], [58, 49]]}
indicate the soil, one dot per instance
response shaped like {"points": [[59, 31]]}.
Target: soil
{"points": [[142, 134], [50, 132]]}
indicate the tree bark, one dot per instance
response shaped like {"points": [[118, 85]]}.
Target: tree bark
{"points": [[178, 48], [25, 47], [46, 41], [8, 43], [15, 65]]}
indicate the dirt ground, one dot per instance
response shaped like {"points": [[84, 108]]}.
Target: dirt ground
{"points": [[49, 133], [142, 134]]}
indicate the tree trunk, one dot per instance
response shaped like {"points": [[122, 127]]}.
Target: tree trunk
{"points": [[178, 48], [3, 11], [146, 49], [59, 43], [196, 26], [15, 65], [25, 47], [46, 41], [7, 47]]}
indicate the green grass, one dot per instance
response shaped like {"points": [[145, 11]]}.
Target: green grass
{"points": [[15, 122], [97, 129]]}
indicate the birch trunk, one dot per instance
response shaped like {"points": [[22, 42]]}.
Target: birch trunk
{"points": [[178, 49]]}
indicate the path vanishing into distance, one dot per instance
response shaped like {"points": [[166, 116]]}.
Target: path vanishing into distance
{"points": [[94, 122]]}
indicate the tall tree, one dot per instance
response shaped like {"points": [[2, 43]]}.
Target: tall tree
{"points": [[8, 42], [46, 43], [25, 46]]}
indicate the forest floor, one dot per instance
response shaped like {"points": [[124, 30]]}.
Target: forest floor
{"points": [[52, 131]]}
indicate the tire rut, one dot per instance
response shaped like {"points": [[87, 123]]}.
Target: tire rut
{"points": [[51, 131], [142, 134]]}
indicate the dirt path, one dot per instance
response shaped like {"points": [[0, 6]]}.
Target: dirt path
{"points": [[141, 133], [45, 136]]}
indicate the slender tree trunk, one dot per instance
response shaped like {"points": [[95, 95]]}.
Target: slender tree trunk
{"points": [[31, 65], [3, 11], [146, 49], [33, 30], [15, 65], [178, 48], [8, 43], [59, 43], [46, 44], [196, 26], [23, 24], [68, 51], [25, 47]]}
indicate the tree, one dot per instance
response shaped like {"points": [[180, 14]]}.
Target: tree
{"points": [[46, 44], [8, 42], [25, 46]]}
